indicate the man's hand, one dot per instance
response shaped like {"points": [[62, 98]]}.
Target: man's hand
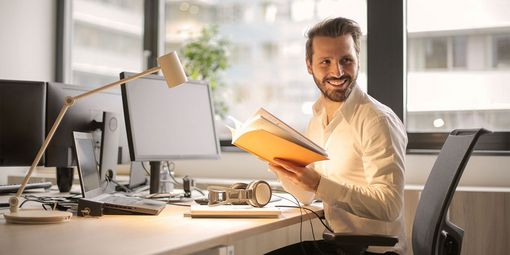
{"points": [[304, 177]]}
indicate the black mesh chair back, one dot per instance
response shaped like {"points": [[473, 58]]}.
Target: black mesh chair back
{"points": [[432, 232]]}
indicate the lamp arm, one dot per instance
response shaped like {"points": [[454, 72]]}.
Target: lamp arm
{"points": [[69, 101], [113, 84], [14, 201]]}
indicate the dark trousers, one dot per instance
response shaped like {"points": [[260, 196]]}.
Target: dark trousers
{"points": [[319, 247]]}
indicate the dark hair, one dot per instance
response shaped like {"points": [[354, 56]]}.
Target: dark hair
{"points": [[333, 28]]}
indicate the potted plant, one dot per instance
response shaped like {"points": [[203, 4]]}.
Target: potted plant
{"points": [[204, 58]]}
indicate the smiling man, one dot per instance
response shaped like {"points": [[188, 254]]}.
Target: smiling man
{"points": [[361, 185]]}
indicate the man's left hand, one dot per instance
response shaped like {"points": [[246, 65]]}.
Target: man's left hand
{"points": [[306, 178]]}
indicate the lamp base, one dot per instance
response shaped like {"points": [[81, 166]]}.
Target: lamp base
{"points": [[37, 217]]}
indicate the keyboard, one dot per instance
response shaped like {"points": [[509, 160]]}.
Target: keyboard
{"points": [[120, 200], [13, 188]]}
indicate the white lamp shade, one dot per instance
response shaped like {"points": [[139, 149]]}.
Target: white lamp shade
{"points": [[172, 69]]}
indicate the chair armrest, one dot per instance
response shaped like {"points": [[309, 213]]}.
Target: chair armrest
{"points": [[349, 239]]}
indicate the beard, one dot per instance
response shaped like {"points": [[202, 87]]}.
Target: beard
{"points": [[336, 93]]}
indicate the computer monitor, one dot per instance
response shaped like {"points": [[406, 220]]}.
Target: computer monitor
{"points": [[87, 167], [167, 124], [137, 175], [85, 115], [22, 115], [108, 158]]}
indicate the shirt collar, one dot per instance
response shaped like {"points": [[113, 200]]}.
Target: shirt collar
{"points": [[351, 104], [348, 107]]}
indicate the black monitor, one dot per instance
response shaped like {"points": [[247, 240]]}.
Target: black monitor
{"points": [[167, 124], [85, 115], [22, 115]]}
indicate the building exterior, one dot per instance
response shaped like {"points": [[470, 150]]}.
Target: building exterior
{"points": [[458, 62]]}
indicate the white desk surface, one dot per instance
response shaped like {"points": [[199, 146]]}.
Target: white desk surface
{"points": [[170, 232]]}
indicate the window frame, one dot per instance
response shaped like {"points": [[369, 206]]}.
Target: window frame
{"points": [[64, 35], [154, 13], [386, 39]]}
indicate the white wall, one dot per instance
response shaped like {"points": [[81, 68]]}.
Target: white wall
{"points": [[27, 46]]}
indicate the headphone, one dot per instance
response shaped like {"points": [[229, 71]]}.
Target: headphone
{"points": [[256, 194]]}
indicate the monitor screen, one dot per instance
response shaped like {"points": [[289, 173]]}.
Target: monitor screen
{"points": [[79, 117], [165, 124], [22, 114], [87, 162]]}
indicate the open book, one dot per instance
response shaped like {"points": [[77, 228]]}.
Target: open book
{"points": [[267, 137]]}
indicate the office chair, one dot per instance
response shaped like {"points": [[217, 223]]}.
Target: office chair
{"points": [[433, 233]]}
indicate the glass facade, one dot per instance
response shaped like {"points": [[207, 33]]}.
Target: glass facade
{"points": [[458, 62], [107, 39], [266, 51], [458, 65]]}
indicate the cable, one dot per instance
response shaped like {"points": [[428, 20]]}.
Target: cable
{"points": [[109, 178], [199, 191], [309, 219], [301, 218], [301, 223], [44, 202], [312, 211], [145, 168], [311, 227], [122, 186], [173, 178], [171, 168], [290, 206]]}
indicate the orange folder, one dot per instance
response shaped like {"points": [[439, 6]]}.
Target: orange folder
{"points": [[267, 137]]}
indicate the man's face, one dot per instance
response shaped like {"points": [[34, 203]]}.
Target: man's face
{"points": [[334, 66]]}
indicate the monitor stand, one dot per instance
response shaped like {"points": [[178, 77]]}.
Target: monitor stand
{"points": [[154, 178], [109, 149], [160, 181]]}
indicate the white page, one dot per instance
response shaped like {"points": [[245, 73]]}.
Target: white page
{"points": [[292, 134]]}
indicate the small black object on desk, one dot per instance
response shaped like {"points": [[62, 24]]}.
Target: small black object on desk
{"points": [[202, 201], [65, 177]]}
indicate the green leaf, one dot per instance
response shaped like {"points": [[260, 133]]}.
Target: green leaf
{"points": [[204, 59]]}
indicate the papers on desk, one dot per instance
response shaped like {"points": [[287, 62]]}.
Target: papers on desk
{"points": [[233, 211]]}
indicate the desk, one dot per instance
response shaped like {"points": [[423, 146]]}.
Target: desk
{"points": [[168, 233]]}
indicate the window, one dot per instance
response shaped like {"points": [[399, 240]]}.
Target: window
{"points": [[457, 66], [266, 51], [459, 52], [452, 82], [432, 53], [502, 51], [436, 53], [107, 39]]}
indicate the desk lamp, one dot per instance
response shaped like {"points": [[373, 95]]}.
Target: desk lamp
{"points": [[174, 75]]}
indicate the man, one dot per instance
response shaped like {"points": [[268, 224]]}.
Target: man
{"points": [[361, 185]]}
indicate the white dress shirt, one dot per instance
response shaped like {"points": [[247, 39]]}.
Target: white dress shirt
{"points": [[362, 183]]}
